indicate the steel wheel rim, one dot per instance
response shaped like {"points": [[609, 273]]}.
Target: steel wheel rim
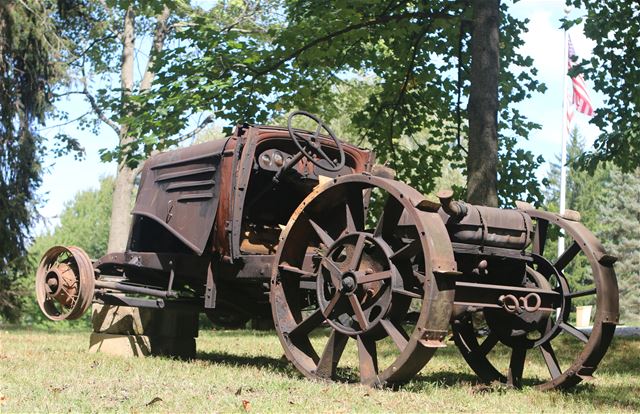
{"points": [[70, 266]]}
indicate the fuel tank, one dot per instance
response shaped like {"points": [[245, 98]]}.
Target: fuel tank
{"points": [[485, 226]]}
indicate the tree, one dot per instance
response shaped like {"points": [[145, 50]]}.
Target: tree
{"points": [[29, 69], [614, 69], [620, 232], [609, 205], [482, 160], [409, 50], [585, 190], [107, 37], [104, 47]]}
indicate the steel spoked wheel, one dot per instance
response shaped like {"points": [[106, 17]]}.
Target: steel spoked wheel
{"points": [[338, 279], [64, 283], [560, 354]]}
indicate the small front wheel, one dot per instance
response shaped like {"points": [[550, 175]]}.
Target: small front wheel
{"points": [[65, 282]]}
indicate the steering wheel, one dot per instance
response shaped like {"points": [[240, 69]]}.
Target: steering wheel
{"points": [[311, 147]]}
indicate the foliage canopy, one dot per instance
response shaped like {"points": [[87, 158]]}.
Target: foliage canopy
{"points": [[615, 71], [294, 54], [29, 69]]}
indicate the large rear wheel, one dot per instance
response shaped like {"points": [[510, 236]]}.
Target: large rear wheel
{"points": [[583, 276], [346, 273]]}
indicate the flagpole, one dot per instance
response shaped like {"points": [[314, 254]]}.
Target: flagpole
{"points": [[565, 133]]}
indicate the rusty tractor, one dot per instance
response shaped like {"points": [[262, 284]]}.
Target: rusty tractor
{"points": [[303, 228]]}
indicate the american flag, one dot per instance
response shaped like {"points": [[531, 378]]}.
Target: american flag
{"points": [[580, 96]]}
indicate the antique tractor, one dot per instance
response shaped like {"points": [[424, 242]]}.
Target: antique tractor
{"points": [[303, 228]]}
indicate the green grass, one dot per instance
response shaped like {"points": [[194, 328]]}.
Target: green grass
{"points": [[51, 371]]}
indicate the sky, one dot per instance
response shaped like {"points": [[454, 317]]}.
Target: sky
{"points": [[64, 176]]}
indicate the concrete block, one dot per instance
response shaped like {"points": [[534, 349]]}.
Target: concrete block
{"points": [[125, 320], [142, 345]]}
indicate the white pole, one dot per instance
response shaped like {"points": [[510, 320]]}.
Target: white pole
{"points": [[565, 134]]}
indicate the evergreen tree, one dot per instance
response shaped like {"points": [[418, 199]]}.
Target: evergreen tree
{"points": [[585, 193], [584, 189], [620, 232], [29, 69], [609, 204]]}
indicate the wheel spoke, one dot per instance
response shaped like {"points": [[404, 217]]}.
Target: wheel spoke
{"points": [[332, 304], [331, 354], [362, 277], [307, 325], [419, 276], [368, 359], [570, 329], [407, 293], [396, 332], [567, 256], [357, 309], [582, 293], [324, 237], [357, 253], [324, 156], [516, 367], [407, 251], [540, 237], [297, 271], [334, 271], [351, 225], [316, 134], [389, 219], [550, 359], [487, 345]]}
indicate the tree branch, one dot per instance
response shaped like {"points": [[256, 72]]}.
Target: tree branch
{"points": [[403, 89], [196, 130], [91, 45], [60, 95], [66, 123], [159, 37], [94, 105], [99, 112], [378, 20]]}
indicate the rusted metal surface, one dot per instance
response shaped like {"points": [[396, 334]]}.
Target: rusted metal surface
{"points": [[179, 191], [64, 283], [279, 223], [526, 328], [485, 226], [362, 281]]}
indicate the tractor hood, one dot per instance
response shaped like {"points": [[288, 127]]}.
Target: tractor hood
{"points": [[179, 191]]}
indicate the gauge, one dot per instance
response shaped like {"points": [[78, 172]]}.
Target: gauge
{"points": [[278, 159]]}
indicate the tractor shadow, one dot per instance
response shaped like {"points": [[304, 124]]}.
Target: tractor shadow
{"points": [[277, 365], [622, 360]]}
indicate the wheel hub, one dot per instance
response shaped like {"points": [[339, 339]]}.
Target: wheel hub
{"points": [[61, 284], [349, 284], [352, 292]]}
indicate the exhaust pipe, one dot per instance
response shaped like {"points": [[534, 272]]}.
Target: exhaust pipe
{"points": [[455, 209]]}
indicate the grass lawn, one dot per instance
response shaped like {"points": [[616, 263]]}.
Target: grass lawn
{"points": [[238, 371]]}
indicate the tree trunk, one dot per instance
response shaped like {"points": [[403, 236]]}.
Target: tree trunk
{"points": [[123, 188], [125, 178], [482, 160]]}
